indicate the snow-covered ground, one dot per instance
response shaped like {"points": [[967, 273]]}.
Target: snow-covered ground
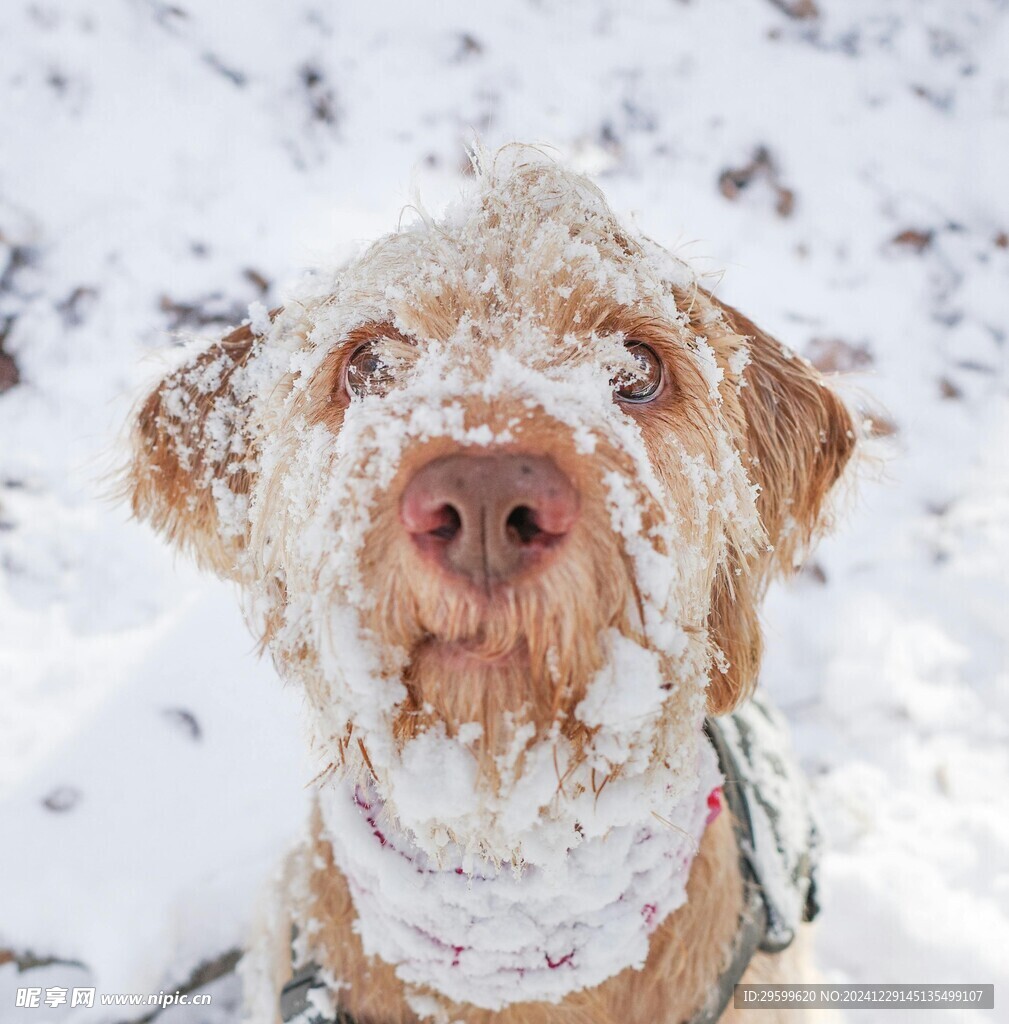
{"points": [[163, 164]]}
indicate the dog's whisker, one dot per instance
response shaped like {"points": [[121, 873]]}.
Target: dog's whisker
{"points": [[676, 828]]}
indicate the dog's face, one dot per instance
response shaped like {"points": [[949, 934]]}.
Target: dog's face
{"points": [[504, 494]]}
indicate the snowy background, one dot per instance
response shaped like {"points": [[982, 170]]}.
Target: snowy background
{"points": [[164, 164]]}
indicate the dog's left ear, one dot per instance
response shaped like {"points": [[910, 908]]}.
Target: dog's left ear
{"points": [[795, 437], [192, 462]]}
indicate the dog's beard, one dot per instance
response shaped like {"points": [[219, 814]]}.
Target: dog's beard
{"points": [[500, 758]]}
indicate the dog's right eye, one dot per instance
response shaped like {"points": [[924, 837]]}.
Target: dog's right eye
{"points": [[368, 371]]}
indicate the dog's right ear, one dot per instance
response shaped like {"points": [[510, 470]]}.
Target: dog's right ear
{"points": [[193, 461]]}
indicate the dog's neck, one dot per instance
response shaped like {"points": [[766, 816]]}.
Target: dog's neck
{"points": [[474, 934]]}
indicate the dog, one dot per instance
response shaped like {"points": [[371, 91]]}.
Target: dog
{"points": [[503, 495]]}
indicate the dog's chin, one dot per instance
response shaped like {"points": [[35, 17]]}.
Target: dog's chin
{"points": [[462, 681], [457, 659]]}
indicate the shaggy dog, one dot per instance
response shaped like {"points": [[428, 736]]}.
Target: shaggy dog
{"points": [[503, 495]]}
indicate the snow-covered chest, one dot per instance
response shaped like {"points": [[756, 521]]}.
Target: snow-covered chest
{"points": [[491, 936]]}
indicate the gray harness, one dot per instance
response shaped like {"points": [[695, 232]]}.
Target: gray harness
{"points": [[777, 840]]}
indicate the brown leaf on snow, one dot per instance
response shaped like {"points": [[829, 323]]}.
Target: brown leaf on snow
{"points": [[259, 281], [915, 239], [9, 373], [733, 180], [801, 10], [835, 355]]}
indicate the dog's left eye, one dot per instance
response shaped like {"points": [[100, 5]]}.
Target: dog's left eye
{"points": [[645, 384], [368, 371]]}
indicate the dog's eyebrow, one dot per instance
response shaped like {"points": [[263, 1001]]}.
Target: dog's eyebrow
{"points": [[634, 325], [374, 331]]}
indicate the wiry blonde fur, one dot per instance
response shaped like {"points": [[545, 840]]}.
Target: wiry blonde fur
{"points": [[526, 651]]}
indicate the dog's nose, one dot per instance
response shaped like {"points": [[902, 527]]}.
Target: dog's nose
{"points": [[488, 517]]}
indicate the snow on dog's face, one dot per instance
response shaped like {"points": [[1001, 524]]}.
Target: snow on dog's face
{"points": [[504, 493]]}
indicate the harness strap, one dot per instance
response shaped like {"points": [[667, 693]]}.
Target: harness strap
{"points": [[752, 930], [296, 1004]]}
